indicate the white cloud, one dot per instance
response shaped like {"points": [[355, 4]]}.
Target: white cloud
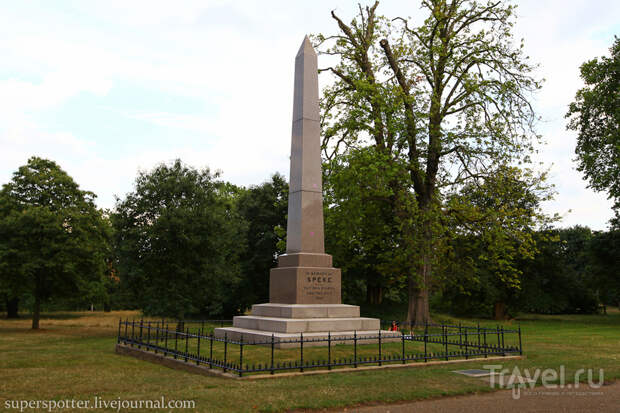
{"points": [[560, 37], [235, 58]]}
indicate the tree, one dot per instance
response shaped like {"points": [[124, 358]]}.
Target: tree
{"points": [[449, 98], [263, 208], [604, 261], [53, 240], [361, 231], [10, 302], [493, 231], [178, 237], [595, 115], [12, 308]]}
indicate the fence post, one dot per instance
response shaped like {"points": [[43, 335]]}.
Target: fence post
{"points": [[445, 341], [176, 342], [126, 326], [241, 355], [272, 347], [118, 339], [503, 348], [156, 335], [133, 329], [466, 345], [148, 334], [425, 341], [355, 348], [225, 349], [186, 344], [498, 338], [329, 350], [402, 336], [380, 347], [302, 353], [198, 351], [166, 339], [486, 348], [460, 337], [520, 345], [211, 351], [140, 339], [478, 333]]}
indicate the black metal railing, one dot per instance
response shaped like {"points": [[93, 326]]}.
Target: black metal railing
{"points": [[194, 341]]}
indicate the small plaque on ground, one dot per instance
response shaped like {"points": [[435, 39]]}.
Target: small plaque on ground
{"points": [[474, 372]]}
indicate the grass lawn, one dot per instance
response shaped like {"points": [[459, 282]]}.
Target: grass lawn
{"points": [[72, 357]]}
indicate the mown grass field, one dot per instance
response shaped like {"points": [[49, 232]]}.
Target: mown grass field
{"points": [[72, 357]]}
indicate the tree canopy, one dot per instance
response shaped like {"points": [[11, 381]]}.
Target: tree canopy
{"points": [[53, 240], [361, 230], [449, 98], [595, 115], [492, 231], [263, 208], [178, 237]]}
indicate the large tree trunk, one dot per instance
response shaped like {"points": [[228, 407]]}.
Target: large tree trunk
{"points": [[419, 283], [36, 313], [12, 306], [419, 310], [500, 310], [374, 294]]}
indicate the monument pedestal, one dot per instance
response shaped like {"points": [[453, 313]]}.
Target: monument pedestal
{"points": [[305, 298], [305, 279], [286, 322]]}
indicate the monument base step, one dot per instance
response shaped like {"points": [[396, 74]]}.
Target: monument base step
{"points": [[305, 325], [311, 339], [306, 310]]}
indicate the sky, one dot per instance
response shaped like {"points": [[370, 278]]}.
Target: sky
{"points": [[106, 89]]}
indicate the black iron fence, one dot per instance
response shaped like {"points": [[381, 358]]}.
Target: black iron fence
{"points": [[193, 341]]}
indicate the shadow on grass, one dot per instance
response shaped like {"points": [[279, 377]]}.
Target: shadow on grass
{"points": [[612, 317], [48, 316]]}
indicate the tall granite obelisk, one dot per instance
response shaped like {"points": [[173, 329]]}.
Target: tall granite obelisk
{"points": [[305, 274], [304, 290]]}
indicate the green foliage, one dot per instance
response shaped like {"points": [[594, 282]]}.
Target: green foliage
{"points": [[361, 231], [178, 238], [595, 115], [53, 240], [604, 264], [492, 230], [264, 208], [447, 99], [573, 271], [559, 279]]}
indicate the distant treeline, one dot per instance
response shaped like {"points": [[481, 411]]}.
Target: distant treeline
{"points": [[574, 270], [186, 244]]}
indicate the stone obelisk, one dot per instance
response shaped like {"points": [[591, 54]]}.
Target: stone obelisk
{"points": [[305, 274], [304, 290]]}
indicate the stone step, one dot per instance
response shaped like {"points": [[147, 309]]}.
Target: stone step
{"points": [[305, 325], [306, 310], [288, 340]]}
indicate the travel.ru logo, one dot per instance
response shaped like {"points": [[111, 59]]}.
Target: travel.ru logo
{"points": [[517, 379]]}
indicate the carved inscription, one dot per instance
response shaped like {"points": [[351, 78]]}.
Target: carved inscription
{"points": [[318, 284]]}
